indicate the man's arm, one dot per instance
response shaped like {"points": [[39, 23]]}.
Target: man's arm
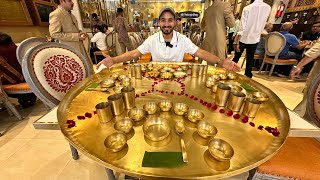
{"points": [[228, 16], [109, 61], [302, 44], [56, 31]]}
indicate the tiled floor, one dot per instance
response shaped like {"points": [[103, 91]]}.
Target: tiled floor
{"points": [[27, 153]]}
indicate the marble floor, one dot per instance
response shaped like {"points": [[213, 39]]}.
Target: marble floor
{"points": [[27, 153]]}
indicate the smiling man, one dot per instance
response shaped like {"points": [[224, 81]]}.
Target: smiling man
{"points": [[169, 45]]}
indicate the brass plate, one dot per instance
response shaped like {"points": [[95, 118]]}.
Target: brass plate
{"points": [[251, 146]]}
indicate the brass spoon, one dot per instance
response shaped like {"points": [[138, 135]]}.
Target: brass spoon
{"points": [[101, 89], [179, 127]]}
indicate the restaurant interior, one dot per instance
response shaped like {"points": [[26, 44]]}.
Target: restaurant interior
{"points": [[265, 128]]}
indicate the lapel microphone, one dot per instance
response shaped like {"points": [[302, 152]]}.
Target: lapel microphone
{"points": [[168, 44]]}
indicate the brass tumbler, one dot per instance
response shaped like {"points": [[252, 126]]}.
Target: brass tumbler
{"points": [[132, 70], [222, 94], [251, 107], [205, 70], [128, 94], [137, 71], [201, 69], [117, 104], [104, 112], [236, 100], [195, 70]]}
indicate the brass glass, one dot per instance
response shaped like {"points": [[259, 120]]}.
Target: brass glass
{"points": [[107, 83], [201, 69], [194, 115], [236, 88], [132, 72], [195, 69], [222, 94], [116, 141], [104, 112], [151, 107], [156, 129], [260, 96], [129, 97], [124, 125], [137, 71], [206, 129], [180, 108], [236, 100], [116, 101], [87, 134], [251, 107], [165, 105], [220, 149], [136, 114]]}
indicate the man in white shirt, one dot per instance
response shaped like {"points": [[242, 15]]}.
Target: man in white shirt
{"points": [[253, 20], [169, 45]]}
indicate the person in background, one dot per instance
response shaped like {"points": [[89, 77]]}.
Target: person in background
{"points": [[137, 26], [105, 29], [178, 27], [253, 19], [169, 45], [194, 28], [215, 20], [95, 21], [232, 33], [122, 28], [63, 26], [313, 34], [100, 39], [312, 55], [11, 70], [260, 47]]}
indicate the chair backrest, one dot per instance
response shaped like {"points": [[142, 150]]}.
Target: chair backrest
{"points": [[52, 69], [274, 44], [138, 38], [133, 42], [313, 99], [27, 44]]}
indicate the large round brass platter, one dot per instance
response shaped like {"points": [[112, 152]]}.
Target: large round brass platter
{"points": [[251, 145]]}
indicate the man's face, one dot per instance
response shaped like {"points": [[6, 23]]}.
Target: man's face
{"points": [[167, 23], [315, 28], [67, 4]]}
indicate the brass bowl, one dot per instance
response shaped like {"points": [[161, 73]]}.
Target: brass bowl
{"points": [[107, 83], [136, 114], [124, 125], [260, 96], [116, 141], [166, 75], [122, 76], [126, 81], [210, 82], [180, 108], [165, 105], [206, 129], [151, 107], [156, 129], [184, 67], [232, 75], [117, 89], [235, 88], [220, 149], [194, 115], [216, 77], [179, 74], [223, 76], [114, 76]]}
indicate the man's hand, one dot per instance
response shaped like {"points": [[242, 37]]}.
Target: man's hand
{"points": [[229, 65], [295, 72], [107, 61], [83, 36], [237, 47]]}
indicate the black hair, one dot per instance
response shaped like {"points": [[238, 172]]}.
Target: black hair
{"points": [[316, 23], [5, 39], [57, 2], [94, 15], [104, 26], [99, 27], [119, 10]]}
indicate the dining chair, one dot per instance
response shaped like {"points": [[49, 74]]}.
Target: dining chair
{"points": [[274, 44], [299, 156], [255, 57]]}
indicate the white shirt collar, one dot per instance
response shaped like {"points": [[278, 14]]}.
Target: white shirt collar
{"points": [[173, 40]]}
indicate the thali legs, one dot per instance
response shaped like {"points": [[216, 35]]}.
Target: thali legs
{"points": [[74, 153]]}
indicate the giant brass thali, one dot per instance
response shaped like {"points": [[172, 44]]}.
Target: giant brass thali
{"points": [[251, 146]]}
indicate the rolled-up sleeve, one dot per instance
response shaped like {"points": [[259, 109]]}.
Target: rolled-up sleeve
{"points": [[243, 22], [314, 51], [55, 30], [190, 47], [145, 47]]}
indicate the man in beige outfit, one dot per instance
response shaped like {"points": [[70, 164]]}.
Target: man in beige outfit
{"points": [[63, 26], [215, 19], [122, 27]]}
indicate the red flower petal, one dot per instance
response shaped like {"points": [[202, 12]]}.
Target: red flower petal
{"points": [[275, 132], [201, 101], [70, 121], [195, 98], [221, 110], [72, 124], [244, 120], [215, 107], [267, 128], [149, 91], [81, 117], [209, 105], [236, 116], [137, 95], [229, 113], [88, 115], [260, 127], [186, 94], [94, 112], [172, 93], [252, 124]]}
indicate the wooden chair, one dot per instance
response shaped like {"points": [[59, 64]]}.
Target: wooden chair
{"points": [[5, 100], [255, 57], [27, 44], [275, 42], [299, 157]]}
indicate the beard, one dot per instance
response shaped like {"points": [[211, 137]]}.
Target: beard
{"points": [[166, 31]]}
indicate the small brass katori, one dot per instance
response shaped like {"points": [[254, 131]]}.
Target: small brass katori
{"points": [[220, 149], [156, 129]]}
